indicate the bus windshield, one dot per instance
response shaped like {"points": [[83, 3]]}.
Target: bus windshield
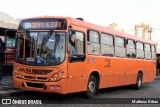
{"points": [[40, 48]]}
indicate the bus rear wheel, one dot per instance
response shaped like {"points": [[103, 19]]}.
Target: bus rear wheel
{"points": [[92, 87], [139, 81]]}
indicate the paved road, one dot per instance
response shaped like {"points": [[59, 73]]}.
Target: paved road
{"points": [[118, 95]]}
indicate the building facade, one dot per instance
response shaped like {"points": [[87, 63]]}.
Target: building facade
{"points": [[143, 30]]}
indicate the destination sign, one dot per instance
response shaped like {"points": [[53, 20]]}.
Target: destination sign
{"points": [[43, 24]]}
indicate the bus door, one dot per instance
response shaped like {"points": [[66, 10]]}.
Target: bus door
{"points": [[77, 62]]}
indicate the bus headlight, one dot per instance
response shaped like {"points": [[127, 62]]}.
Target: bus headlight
{"points": [[57, 76], [17, 74]]}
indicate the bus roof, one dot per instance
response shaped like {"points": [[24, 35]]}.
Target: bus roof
{"points": [[109, 31], [46, 17], [91, 26]]}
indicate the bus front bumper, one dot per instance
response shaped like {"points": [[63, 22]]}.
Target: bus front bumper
{"points": [[55, 87]]}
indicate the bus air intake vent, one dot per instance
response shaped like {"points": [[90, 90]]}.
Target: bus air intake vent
{"points": [[35, 85], [41, 72], [28, 77], [41, 78]]}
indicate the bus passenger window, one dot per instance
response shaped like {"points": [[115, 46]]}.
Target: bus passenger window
{"points": [[93, 43], [153, 52], [147, 51], [120, 50], [131, 51], [107, 47], [140, 50]]}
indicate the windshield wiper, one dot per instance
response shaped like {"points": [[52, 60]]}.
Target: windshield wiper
{"points": [[57, 39], [47, 37], [45, 40]]}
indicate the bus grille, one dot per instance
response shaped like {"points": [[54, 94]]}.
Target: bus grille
{"points": [[36, 78], [35, 85], [41, 72]]}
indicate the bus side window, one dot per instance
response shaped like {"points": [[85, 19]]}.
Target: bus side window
{"points": [[140, 50], [147, 51], [107, 46], [93, 43], [131, 51], [120, 50], [153, 52]]}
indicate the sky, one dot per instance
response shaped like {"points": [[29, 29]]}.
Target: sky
{"points": [[126, 13]]}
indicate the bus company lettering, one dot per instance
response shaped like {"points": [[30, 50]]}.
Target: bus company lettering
{"points": [[26, 70]]}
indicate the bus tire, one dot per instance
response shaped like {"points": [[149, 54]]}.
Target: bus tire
{"points": [[139, 81], [92, 87]]}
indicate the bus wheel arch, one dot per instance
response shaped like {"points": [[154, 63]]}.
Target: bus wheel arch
{"points": [[92, 85], [139, 80]]}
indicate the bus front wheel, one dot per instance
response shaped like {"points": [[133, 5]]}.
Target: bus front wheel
{"points": [[92, 87], [139, 81]]}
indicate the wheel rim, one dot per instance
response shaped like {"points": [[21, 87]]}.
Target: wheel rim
{"points": [[139, 81], [91, 86]]}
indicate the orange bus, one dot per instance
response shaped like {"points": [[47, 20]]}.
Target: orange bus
{"points": [[66, 55]]}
